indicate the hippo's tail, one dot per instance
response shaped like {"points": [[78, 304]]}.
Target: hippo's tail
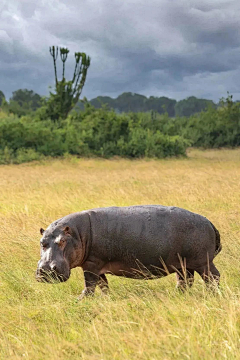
{"points": [[218, 241]]}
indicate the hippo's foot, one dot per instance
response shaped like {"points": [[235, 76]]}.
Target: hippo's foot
{"points": [[185, 279], [103, 284], [104, 291], [210, 276], [86, 293]]}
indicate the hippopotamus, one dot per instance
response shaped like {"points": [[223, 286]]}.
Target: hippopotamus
{"points": [[140, 242]]}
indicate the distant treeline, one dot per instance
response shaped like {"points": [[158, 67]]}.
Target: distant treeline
{"points": [[128, 101], [103, 132], [24, 101]]}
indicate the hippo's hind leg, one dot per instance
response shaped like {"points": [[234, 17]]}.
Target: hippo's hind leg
{"points": [[210, 275], [185, 279], [103, 283]]}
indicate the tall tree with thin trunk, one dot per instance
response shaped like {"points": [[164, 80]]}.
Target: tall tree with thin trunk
{"points": [[2, 97], [67, 93]]}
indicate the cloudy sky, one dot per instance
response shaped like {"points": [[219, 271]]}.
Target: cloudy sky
{"points": [[174, 48]]}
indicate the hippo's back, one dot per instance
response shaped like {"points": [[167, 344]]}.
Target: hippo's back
{"points": [[151, 232]]}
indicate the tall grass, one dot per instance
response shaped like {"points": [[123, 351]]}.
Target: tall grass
{"points": [[138, 319]]}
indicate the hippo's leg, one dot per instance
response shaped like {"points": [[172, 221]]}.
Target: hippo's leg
{"points": [[185, 279], [91, 281], [103, 283], [210, 275]]}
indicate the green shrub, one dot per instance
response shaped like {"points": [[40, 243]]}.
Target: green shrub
{"points": [[25, 155], [6, 155], [102, 132]]}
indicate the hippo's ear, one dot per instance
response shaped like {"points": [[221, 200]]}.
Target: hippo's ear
{"points": [[42, 231], [67, 230]]}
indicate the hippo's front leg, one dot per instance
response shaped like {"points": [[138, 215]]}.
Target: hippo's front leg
{"points": [[91, 270], [91, 281]]}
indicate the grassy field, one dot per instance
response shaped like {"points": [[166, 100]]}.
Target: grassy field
{"points": [[139, 319]]}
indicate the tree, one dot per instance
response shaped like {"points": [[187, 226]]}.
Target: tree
{"points": [[132, 102], [192, 105], [22, 102], [67, 93], [161, 105], [2, 96], [26, 99]]}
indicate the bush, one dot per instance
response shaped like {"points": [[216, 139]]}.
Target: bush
{"points": [[213, 128], [6, 155], [102, 132], [94, 132], [105, 133], [25, 155]]}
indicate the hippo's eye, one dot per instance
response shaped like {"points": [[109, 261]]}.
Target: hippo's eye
{"points": [[62, 242]]}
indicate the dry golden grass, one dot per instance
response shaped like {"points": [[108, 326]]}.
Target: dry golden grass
{"points": [[139, 319]]}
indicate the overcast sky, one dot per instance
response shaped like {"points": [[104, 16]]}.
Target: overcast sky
{"points": [[173, 48]]}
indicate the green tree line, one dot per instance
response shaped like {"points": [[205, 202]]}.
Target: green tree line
{"points": [[102, 132], [138, 103], [24, 101], [32, 127], [92, 132]]}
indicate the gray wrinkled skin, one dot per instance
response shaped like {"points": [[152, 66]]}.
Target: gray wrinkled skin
{"points": [[145, 242]]}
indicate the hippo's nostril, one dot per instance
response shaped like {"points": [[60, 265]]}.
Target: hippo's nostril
{"points": [[54, 268]]}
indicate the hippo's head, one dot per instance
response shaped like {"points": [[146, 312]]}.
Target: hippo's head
{"points": [[57, 254]]}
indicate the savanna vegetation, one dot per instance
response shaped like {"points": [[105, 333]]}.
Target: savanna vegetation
{"points": [[32, 127], [126, 102], [138, 319], [104, 133], [131, 102]]}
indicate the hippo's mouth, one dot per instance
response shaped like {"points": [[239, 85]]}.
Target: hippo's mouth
{"points": [[51, 277]]}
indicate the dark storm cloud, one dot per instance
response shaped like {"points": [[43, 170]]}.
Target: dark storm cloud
{"points": [[162, 47]]}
